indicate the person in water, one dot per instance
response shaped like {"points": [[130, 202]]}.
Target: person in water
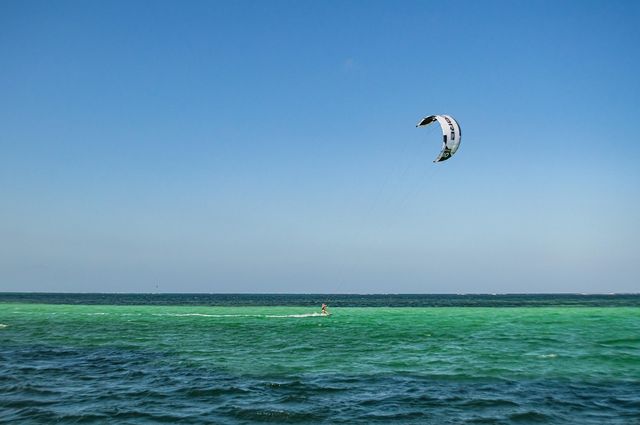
{"points": [[324, 309]]}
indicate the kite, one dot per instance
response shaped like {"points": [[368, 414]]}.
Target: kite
{"points": [[451, 134]]}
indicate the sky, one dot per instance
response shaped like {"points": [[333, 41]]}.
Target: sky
{"points": [[270, 146]]}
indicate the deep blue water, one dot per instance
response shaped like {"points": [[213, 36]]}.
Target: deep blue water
{"points": [[336, 300]]}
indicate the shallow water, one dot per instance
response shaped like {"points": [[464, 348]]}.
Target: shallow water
{"points": [[226, 364]]}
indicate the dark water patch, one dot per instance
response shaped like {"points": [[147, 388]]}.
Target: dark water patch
{"points": [[484, 421], [627, 402], [86, 418], [481, 403], [23, 402], [212, 392], [631, 343], [141, 416], [530, 417], [398, 417], [28, 389]]}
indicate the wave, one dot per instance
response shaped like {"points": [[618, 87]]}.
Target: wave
{"points": [[269, 316], [296, 315], [206, 315], [542, 356], [2, 325]]}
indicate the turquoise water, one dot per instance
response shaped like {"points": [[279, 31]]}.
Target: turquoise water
{"points": [[286, 364]]}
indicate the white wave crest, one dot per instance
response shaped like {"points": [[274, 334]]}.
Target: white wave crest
{"points": [[270, 316], [206, 315], [296, 315]]}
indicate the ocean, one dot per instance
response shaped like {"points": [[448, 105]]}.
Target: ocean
{"points": [[270, 358]]}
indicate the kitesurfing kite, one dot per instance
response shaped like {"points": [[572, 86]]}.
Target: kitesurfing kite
{"points": [[450, 134]]}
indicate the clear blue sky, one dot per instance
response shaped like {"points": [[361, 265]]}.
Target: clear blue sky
{"points": [[270, 146]]}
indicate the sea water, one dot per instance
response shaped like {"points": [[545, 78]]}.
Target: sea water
{"points": [[241, 359]]}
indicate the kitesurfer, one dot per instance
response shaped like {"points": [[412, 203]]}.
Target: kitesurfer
{"points": [[324, 309]]}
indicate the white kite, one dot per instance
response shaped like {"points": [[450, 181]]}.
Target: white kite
{"points": [[451, 134]]}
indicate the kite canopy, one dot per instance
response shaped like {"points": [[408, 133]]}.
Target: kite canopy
{"points": [[451, 134]]}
